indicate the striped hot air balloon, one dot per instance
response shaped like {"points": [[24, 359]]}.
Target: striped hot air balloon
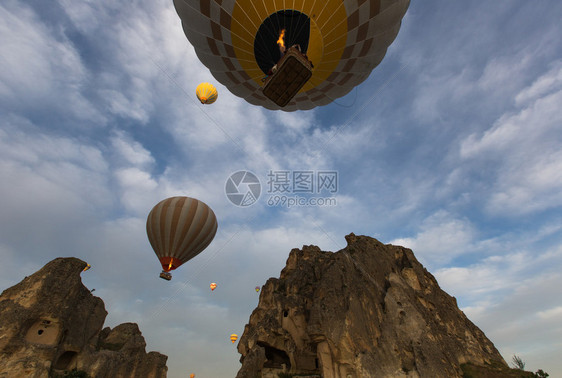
{"points": [[233, 338], [206, 93], [179, 228]]}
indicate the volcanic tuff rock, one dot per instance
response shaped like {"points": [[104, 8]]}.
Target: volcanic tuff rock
{"points": [[50, 322], [369, 310]]}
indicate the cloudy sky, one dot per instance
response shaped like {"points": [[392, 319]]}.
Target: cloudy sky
{"points": [[452, 147]]}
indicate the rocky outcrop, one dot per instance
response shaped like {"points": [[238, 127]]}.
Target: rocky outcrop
{"points": [[369, 310], [50, 322]]}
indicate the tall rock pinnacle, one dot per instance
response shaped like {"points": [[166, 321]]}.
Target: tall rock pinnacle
{"points": [[369, 310]]}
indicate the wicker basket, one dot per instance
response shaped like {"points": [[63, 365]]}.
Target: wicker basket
{"points": [[293, 71]]}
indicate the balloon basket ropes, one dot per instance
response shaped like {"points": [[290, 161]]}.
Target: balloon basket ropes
{"points": [[289, 75]]}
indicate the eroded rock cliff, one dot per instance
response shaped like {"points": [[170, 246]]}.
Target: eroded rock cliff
{"points": [[369, 310], [50, 322]]}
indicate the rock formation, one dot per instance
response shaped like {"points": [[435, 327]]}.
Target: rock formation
{"points": [[369, 310], [50, 322]]}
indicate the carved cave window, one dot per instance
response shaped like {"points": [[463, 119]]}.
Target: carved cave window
{"points": [[65, 359], [276, 358]]}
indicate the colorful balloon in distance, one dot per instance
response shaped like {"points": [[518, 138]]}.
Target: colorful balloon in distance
{"points": [[178, 229], [233, 338], [257, 289], [191, 375], [344, 39], [206, 93], [213, 286]]}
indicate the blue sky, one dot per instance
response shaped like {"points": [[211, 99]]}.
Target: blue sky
{"points": [[452, 147]]}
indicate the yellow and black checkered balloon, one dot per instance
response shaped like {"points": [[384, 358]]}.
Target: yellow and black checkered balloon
{"points": [[344, 39]]}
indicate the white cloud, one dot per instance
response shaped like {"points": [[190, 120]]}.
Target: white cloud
{"points": [[132, 151], [437, 92], [39, 68], [88, 16], [58, 166], [553, 313], [477, 283], [441, 238], [506, 73], [523, 149], [136, 186], [542, 86], [123, 106], [298, 123]]}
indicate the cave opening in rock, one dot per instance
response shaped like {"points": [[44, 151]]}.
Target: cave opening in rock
{"points": [[65, 359], [276, 358], [43, 331]]}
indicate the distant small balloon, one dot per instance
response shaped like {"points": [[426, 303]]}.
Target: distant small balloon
{"points": [[213, 286], [191, 375], [257, 289], [233, 338], [206, 93]]}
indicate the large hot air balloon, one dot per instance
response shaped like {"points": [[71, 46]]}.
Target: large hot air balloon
{"points": [[179, 228], [206, 93], [233, 338], [343, 39]]}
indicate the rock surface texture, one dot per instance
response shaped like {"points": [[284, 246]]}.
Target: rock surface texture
{"points": [[50, 322], [369, 310]]}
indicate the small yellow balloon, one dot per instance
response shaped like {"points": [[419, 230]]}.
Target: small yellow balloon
{"points": [[233, 338], [206, 93], [213, 286]]}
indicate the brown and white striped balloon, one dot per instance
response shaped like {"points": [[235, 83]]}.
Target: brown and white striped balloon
{"points": [[179, 228]]}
